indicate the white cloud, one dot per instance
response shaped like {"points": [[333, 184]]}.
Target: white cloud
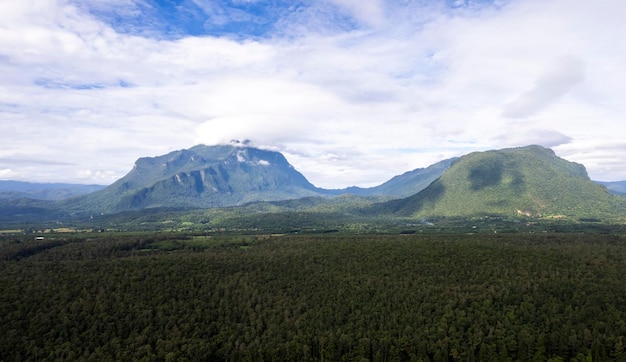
{"points": [[8, 174], [369, 12], [344, 105], [551, 86], [541, 137]]}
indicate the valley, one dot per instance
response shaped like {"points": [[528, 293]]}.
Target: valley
{"points": [[218, 254]]}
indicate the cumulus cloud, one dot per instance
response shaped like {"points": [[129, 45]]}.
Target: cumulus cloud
{"points": [[8, 174], [336, 85], [541, 137]]}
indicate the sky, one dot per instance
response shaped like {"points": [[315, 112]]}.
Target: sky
{"points": [[352, 92]]}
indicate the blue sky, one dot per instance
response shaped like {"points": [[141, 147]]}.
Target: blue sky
{"points": [[353, 92], [257, 19], [177, 19], [243, 19]]}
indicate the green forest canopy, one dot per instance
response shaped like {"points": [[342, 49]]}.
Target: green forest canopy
{"points": [[329, 297]]}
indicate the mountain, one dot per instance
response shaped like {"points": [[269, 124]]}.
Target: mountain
{"points": [[11, 190], [407, 184], [211, 176], [227, 175], [615, 187], [528, 181], [201, 177]]}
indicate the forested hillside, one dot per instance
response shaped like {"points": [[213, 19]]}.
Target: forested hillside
{"points": [[515, 297], [530, 181], [525, 182], [199, 177]]}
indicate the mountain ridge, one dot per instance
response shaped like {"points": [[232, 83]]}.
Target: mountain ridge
{"points": [[11, 189], [615, 187], [524, 181], [200, 177], [229, 175], [403, 185], [527, 181]]}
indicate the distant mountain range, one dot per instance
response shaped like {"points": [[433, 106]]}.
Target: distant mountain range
{"points": [[615, 187], [527, 181], [10, 190]]}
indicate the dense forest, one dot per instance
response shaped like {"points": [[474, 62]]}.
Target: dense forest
{"points": [[330, 297]]}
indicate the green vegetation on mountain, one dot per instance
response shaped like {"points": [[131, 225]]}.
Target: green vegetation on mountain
{"points": [[530, 181], [201, 177], [259, 189], [224, 176]]}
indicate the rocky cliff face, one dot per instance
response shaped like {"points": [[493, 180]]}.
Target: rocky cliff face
{"points": [[202, 176]]}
